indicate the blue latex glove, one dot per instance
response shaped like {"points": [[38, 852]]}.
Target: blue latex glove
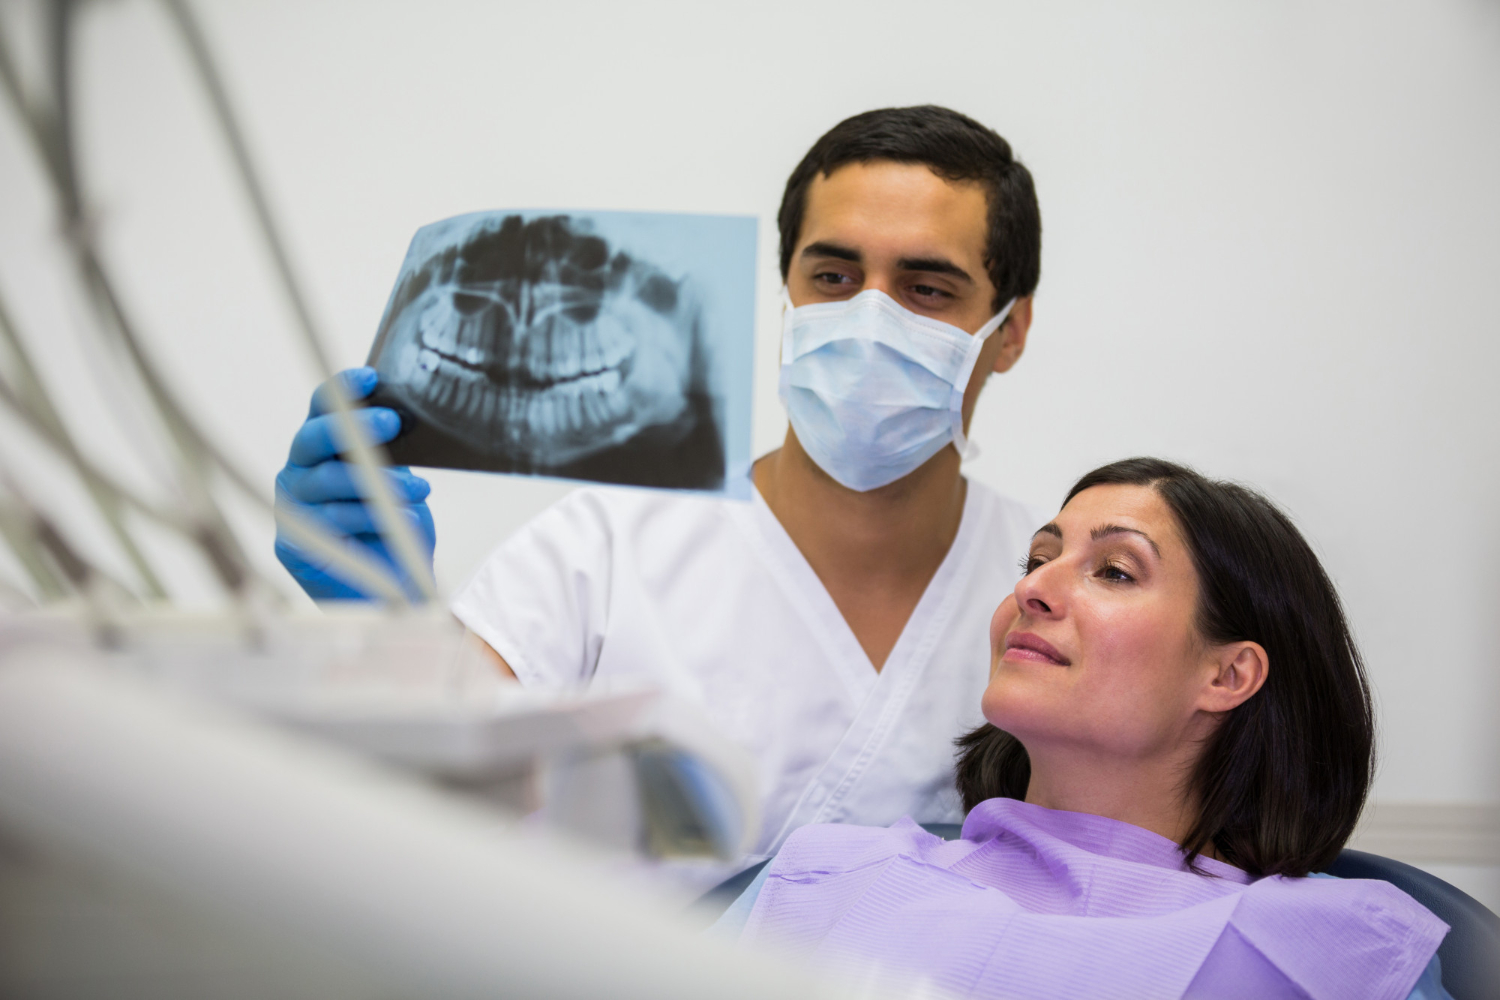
{"points": [[324, 488]]}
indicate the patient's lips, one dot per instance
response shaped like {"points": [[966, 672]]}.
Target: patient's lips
{"points": [[1032, 648]]}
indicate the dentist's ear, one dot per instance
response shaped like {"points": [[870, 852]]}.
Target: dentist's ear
{"points": [[1004, 346], [1012, 335], [1237, 671]]}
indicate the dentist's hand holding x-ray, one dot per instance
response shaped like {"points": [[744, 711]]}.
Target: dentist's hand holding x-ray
{"points": [[318, 483], [836, 626]]}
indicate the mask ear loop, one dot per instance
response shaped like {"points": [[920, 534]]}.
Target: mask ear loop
{"points": [[966, 448], [786, 344]]}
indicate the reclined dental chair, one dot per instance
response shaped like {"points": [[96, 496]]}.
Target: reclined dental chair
{"points": [[1470, 954]]}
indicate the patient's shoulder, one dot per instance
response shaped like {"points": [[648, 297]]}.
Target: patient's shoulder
{"points": [[1357, 924], [1377, 900]]}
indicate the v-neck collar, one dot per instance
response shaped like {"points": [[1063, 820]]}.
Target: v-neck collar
{"points": [[817, 609]]}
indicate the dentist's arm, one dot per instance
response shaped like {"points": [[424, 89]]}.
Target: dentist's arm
{"points": [[488, 654], [322, 486]]}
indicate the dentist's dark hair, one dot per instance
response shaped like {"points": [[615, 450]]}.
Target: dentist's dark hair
{"points": [[956, 148], [1282, 780]]}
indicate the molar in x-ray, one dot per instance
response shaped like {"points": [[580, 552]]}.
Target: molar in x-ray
{"points": [[536, 346]]}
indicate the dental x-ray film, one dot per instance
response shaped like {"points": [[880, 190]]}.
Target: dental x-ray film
{"points": [[607, 346]]}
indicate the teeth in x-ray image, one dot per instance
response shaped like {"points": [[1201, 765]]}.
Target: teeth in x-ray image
{"points": [[538, 343]]}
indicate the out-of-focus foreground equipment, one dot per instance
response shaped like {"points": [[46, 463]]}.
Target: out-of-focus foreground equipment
{"points": [[196, 466], [334, 813], [254, 802]]}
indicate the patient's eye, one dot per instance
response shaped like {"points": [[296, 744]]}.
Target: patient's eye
{"points": [[1115, 572], [1029, 563]]}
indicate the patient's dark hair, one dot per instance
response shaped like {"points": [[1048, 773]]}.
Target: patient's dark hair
{"points": [[956, 148], [1282, 780]]}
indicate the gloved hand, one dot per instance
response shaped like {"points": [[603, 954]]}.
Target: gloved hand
{"points": [[324, 488]]}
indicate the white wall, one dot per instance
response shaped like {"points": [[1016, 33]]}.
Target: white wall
{"points": [[1272, 235]]}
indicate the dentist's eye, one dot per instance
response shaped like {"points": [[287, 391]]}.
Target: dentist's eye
{"points": [[929, 292]]}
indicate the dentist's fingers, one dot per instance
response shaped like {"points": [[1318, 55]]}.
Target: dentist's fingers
{"points": [[321, 438], [357, 382], [353, 518], [334, 480]]}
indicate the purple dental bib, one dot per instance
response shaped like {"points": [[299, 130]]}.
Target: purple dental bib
{"points": [[1034, 902]]}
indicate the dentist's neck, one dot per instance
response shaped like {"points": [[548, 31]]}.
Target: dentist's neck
{"points": [[874, 552]]}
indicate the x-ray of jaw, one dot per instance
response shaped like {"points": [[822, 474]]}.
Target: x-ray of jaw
{"points": [[605, 346]]}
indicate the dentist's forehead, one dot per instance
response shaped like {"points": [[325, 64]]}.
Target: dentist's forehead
{"points": [[898, 210]]}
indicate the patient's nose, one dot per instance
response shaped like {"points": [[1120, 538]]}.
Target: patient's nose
{"points": [[1039, 594]]}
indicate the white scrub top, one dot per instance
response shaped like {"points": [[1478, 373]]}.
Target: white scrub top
{"points": [[711, 600]]}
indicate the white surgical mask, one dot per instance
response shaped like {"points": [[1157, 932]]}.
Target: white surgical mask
{"points": [[872, 389]]}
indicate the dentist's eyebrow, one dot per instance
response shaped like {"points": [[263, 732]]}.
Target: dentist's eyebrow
{"points": [[934, 265], [1105, 530], [834, 250]]}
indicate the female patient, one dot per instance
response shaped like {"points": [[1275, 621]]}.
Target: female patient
{"points": [[1181, 732]]}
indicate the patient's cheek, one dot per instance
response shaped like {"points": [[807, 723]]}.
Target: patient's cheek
{"points": [[1000, 623]]}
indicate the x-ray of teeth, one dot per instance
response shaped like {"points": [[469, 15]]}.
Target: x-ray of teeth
{"points": [[610, 346]]}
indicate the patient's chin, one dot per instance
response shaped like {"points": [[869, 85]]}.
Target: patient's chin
{"points": [[1036, 701], [1011, 702]]}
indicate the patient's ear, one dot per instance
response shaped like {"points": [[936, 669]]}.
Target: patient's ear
{"points": [[1238, 670]]}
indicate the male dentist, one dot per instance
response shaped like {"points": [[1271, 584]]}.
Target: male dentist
{"points": [[837, 626]]}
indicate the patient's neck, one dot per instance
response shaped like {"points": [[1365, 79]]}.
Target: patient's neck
{"points": [[1149, 792]]}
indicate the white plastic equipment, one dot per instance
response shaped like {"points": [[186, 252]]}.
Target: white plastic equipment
{"points": [[172, 824]]}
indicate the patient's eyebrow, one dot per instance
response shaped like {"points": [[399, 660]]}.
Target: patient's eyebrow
{"points": [[822, 248], [1105, 530], [1050, 528]]}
